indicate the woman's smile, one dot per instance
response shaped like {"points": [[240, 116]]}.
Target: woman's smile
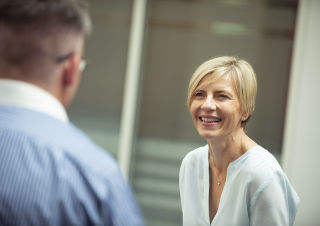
{"points": [[208, 120]]}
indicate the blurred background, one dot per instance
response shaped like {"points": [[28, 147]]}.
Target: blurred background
{"points": [[141, 55]]}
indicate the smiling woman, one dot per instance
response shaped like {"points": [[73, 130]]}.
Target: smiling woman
{"points": [[215, 107], [240, 72], [241, 181]]}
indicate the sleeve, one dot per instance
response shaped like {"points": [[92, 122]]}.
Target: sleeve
{"points": [[188, 188], [181, 182], [274, 203], [121, 207], [191, 186]]}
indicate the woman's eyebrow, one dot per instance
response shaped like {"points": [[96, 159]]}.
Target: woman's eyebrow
{"points": [[222, 91], [199, 90]]}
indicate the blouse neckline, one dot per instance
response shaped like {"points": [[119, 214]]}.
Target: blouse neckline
{"points": [[231, 166]]}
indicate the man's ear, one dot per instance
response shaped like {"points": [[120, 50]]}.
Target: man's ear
{"points": [[70, 70], [69, 79]]}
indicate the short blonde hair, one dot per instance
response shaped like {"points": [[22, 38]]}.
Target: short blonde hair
{"points": [[241, 72]]}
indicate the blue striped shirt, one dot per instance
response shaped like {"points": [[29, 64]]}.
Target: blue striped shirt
{"points": [[53, 174]]}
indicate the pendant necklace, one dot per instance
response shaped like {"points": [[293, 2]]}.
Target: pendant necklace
{"points": [[219, 181], [215, 173]]}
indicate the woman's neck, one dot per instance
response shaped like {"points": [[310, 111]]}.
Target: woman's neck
{"points": [[224, 150]]}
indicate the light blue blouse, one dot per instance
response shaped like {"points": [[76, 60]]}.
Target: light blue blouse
{"points": [[257, 192]]}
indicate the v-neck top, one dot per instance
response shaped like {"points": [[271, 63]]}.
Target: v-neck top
{"points": [[256, 192]]}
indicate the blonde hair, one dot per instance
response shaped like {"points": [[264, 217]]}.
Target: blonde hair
{"points": [[241, 72]]}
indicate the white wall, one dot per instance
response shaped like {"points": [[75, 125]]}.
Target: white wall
{"points": [[301, 150]]}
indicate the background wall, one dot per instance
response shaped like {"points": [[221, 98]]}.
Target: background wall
{"points": [[301, 152]]}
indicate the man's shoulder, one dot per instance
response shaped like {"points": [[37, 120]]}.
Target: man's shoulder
{"points": [[46, 135], [37, 125], [55, 167]]}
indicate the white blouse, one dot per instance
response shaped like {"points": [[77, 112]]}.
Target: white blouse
{"points": [[256, 192]]}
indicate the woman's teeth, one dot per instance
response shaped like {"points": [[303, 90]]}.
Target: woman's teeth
{"points": [[210, 119]]}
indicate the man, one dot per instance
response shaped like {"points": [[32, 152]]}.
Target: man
{"points": [[50, 172]]}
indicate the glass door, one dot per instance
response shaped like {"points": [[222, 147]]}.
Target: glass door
{"points": [[97, 106]]}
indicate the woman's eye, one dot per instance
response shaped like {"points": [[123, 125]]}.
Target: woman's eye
{"points": [[223, 96], [198, 94]]}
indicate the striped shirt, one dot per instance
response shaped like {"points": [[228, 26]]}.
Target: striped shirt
{"points": [[53, 174]]}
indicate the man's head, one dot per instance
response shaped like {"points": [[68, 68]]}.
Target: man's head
{"points": [[42, 42]]}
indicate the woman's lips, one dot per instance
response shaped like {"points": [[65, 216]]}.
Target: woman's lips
{"points": [[209, 120]]}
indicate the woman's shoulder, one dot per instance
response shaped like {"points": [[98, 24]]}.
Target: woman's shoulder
{"points": [[193, 170], [195, 156], [261, 166], [265, 178], [261, 159]]}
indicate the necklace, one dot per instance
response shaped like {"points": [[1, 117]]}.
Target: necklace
{"points": [[219, 181], [215, 173]]}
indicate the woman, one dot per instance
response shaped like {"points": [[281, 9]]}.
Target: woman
{"points": [[232, 181]]}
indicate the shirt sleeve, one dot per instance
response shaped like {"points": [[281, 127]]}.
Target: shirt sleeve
{"points": [[181, 180], [274, 203], [122, 208]]}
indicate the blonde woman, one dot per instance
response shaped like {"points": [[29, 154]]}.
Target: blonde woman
{"points": [[232, 181]]}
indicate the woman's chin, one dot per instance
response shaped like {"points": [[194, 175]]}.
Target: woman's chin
{"points": [[209, 135]]}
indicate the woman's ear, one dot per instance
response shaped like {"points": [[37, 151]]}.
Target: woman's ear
{"points": [[244, 117]]}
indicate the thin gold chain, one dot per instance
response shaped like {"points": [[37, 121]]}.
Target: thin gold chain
{"points": [[219, 181]]}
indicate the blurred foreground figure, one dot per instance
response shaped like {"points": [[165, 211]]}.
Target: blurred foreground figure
{"points": [[231, 181], [50, 172]]}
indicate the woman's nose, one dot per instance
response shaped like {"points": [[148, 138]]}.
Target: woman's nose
{"points": [[208, 104]]}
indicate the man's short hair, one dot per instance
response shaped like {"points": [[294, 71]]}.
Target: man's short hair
{"points": [[32, 30], [72, 14]]}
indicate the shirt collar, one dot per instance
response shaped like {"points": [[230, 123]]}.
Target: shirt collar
{"points": [[23, 94]]}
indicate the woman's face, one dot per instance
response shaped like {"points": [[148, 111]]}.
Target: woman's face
{"points": [[215, 108]]}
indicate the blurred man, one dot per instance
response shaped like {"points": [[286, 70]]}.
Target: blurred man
{"points": [[50, 172]]}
